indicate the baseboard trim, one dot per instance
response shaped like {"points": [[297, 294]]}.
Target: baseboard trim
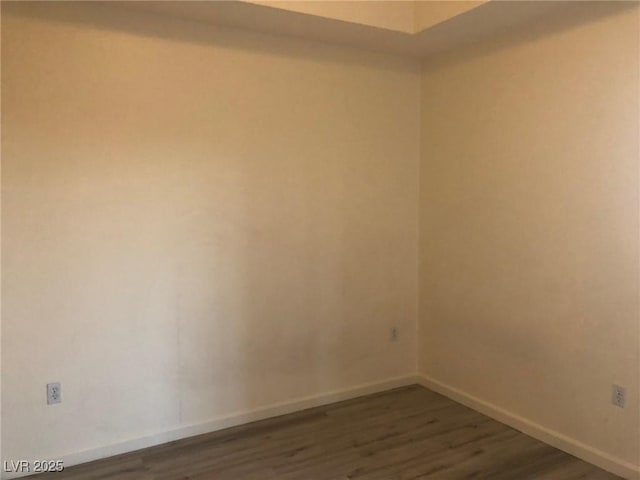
{"points": [[570, 445], [219, 423]]}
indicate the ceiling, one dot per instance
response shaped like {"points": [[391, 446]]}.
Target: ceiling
{"points": [[401, 27]]}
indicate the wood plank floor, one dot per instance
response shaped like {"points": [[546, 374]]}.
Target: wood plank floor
{"points": [[407, 433]]}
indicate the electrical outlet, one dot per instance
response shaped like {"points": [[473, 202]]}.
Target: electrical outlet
{"points": [[618, 396], [393, 334], [54, 393]]}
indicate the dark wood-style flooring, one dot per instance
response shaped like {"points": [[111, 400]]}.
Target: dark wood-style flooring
{"points": [[407, 433]]}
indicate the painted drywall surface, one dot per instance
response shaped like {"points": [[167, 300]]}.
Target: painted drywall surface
{"points": [[397, 15], [196, 222], [529, 236]]}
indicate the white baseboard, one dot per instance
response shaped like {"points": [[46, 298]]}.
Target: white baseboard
{"points": [[570, 445], [574, 447], [232, 420]]}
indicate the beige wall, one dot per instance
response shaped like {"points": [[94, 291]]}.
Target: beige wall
{"points": [[196, 222], [199, 221], [529, 248]]}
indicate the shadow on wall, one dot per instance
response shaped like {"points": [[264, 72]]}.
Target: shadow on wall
{"points": [[536, 19], [261, 268], [118, 17]]}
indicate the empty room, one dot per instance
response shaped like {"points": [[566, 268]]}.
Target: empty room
{"points": [[320, 240]]}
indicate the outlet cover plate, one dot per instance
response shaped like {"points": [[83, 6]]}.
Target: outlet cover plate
{"points": [[618, 395], [54, 393]]}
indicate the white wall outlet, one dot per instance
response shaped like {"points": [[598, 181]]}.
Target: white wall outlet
{"points": [[54, 393], [393, 334], [618, 396]]}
